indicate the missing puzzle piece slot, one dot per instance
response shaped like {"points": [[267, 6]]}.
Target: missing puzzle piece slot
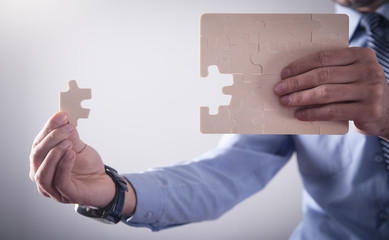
{"points": [[211, 95]]}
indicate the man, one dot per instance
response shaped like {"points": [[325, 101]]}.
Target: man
{"points": [[346, 182]]}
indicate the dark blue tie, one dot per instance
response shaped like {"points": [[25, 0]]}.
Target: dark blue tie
{"points": [[375, 26]]}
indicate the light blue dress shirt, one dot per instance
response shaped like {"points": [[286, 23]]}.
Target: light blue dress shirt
{"points": [[346, 184]]}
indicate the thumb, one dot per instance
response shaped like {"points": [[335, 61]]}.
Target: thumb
{"points": [[78, 144]]}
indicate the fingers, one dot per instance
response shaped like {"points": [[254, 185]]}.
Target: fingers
{"points": [[341, 84], [307, 72], [339, 111], [317, 77], [53, 156], [325, 94], [47, 144], [62, 179], [57, 120], [328, 58], [48, 169]]}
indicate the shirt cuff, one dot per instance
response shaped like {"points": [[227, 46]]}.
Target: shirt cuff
{"points": [[149, 203]]}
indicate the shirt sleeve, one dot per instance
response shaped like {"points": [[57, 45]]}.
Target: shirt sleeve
{"points": [[207, 187]]}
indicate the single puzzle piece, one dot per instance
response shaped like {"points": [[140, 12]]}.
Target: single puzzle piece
{"points": [[213, 54], [287, 28], [222, 122], [244, 87], [70, 102], [239, 57], [254, 48], [331, 34]]}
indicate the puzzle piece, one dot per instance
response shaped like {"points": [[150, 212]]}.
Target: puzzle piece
{"points": [[254, 48], [70, 102], [331, 34]]}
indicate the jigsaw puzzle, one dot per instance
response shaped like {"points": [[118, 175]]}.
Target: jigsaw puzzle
{"points": [[70, 102], [254, 48]]}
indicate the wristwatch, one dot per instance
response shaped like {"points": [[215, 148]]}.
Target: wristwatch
{"points": [[112, 213]]}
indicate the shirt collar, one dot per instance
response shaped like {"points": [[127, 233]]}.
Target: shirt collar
{"points": [[355, 16]]}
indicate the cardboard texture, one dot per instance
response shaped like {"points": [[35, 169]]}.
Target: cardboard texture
{"points": [[254, 48], [70, 102]]}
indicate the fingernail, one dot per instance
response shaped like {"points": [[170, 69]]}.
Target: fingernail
{"points": [[279, 88], [301, 115], [68, 155], [285, 100], [62, 117], [286, 73]]}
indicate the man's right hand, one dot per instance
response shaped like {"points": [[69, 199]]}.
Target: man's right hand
{"points": [[66, 169]]}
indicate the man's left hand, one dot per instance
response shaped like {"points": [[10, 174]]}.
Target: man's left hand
{"points": [[342, 84]]}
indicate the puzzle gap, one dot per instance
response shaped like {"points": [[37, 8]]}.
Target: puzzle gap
{"points": [[212, 95]]}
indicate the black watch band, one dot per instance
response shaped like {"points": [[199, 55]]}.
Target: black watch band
{"points": [[112, 213]]}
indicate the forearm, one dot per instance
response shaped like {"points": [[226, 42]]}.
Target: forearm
{"points": [[206, 188]]}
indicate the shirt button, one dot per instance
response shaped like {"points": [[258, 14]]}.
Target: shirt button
{"points": [[148, 215], [378, 158]]}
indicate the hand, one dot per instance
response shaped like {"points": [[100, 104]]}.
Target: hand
{"points": [[343, 84], [66, 169]]}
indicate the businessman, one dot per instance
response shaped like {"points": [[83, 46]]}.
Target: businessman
{"points": [[345, 178]]}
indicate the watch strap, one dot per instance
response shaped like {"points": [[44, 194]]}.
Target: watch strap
{"points": [[112, 213]]}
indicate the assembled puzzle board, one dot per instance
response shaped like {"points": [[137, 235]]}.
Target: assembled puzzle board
{"points": [[254, 48]]}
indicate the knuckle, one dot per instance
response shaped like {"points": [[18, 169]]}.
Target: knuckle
{"points": [[369, 52], [32, 176], [323, 75], [34, 155], [35, 143], [296, 99], [324, 93], [323, 58], [332, 112], [363, 53], [58, 133], [57, 151], [377, 91], [55, 136], [41, 191], [39, 179], [374, 71], [294, 83], [378, 73]]}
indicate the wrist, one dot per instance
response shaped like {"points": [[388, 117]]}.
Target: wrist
{"points": [[109, 192], [111, 213]]}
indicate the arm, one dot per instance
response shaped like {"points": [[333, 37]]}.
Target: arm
{"points": [[165, 197], [342, 84], [206, 188]]}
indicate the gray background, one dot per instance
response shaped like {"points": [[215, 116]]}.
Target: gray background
{"points": [[141, 59]]}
